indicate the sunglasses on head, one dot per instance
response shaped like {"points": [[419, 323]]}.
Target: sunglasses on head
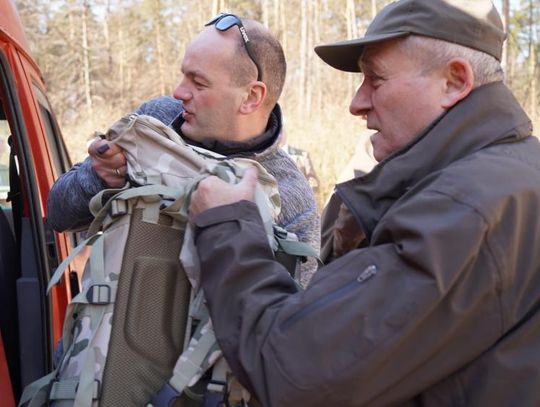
{"points": [[225, 21]]}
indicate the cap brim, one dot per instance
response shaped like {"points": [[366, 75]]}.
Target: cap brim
{"points": [[343, 55]]}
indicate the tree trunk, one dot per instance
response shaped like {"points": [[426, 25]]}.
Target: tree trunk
{"points": [[316, 83], [310, 58], [107, 36], [506, 24], [86, 57], [303, 49], [282, 25], [218, 6], [352, 31], [532, 62], [276, 29], [122, 64], [159, 45], [265, 13]]}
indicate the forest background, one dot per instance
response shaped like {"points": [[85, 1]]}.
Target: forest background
{"points": [[102, 58]]}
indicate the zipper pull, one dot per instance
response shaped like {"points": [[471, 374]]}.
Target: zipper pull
{"points": [[367, 273]]}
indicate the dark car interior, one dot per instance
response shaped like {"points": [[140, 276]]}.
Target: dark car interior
{"points": [[27, 245]]}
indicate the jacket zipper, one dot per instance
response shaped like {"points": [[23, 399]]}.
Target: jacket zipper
{"points": [[364, 275]]}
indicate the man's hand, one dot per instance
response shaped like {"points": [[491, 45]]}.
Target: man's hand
{"points": [[213, 192], [347, 233], [109, 162]]}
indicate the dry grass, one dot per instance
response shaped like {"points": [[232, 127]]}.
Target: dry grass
{"points": [[331, 141]]}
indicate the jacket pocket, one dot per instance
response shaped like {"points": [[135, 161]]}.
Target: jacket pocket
{"points": [[331, 297]]}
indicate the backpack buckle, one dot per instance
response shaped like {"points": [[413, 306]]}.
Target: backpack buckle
{"points": [[119, 207], [216, 394], [165, 397], [99, 294]]}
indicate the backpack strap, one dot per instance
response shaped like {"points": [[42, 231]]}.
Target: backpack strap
{"points": [[59, 272], [217, 389], [190, 366], [116, 206], [48, 388], [289, 243], [37, 392]]}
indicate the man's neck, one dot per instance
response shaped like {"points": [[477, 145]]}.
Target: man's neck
{"points": [[256, 139], [250, 127]]}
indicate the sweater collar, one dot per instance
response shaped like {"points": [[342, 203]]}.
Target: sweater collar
{"points": [[253, 146], [489, 115]]}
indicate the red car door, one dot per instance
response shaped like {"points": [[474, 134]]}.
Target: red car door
{"points": [[32, 155]]}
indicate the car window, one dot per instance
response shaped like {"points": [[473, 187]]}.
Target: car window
{"points": [[58, 149]]}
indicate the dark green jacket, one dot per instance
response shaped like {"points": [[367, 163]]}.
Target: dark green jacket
{"points": [[440, 308]]}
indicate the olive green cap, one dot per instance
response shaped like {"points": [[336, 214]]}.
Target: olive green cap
{"points": [[472, 23]]}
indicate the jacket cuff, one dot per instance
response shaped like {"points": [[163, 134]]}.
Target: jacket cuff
{"points": [[244, 209]]}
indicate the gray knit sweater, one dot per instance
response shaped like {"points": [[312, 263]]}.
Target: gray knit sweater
{"points": [[70, 195]]}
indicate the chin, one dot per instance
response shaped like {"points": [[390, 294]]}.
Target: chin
{"points": [[187, 131], [379, 155]]}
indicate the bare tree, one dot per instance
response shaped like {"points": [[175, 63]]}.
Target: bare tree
{"points": [[86, 57], [506, 24], [350, 14], [303, 49], [265, 13], [218, 6], [159, 44], [532, 61]]}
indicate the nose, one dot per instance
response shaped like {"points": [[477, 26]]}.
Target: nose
{"points": [[361, 102], [182, 92]]}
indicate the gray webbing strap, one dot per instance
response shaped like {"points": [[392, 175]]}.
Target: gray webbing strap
{"points": [[98, 293], [189, 366], [67, 389], [59, 272], [36, 392], [297, 248], [96, 203], [147, 191], [191, 362]]}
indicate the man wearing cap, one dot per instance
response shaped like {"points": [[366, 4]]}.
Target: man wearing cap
{"points": [[436, 301]]}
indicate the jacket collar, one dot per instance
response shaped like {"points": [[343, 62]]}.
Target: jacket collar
{"points": [[489, 115], [257, 146]]}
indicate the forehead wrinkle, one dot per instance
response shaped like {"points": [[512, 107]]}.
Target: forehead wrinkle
{"points": [[369, 66], [379, 63]]}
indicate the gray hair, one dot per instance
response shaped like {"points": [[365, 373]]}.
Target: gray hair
{"points": [[432, 53]]}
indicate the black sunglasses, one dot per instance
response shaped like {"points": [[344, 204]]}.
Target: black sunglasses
{"points": [[225, 21]]}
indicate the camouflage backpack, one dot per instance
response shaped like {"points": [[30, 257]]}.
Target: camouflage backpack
{"points": [[139, 333]]}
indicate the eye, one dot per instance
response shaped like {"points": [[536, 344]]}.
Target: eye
{"points": [[375, 80], [199, 85]]}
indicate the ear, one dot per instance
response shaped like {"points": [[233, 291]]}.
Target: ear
{"points": [[255, 96], [459, 81]]}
